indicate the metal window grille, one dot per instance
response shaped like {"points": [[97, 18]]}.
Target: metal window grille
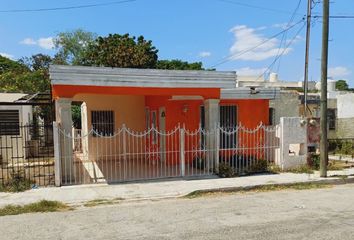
{"points": [[9, 122], [271, 116], [103, 122], [332, 119], [228, 121]]}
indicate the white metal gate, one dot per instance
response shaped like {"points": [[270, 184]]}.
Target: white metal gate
{"points": [[128, 155]]}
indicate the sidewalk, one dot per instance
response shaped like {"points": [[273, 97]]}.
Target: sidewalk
{"points": [[75, 195]]}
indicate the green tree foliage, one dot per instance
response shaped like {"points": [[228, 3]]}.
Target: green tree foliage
{"points": [[28, 75], [7, 65], [342, 85], [176, 64], [37, 62], [121, 51], [72, 46]]}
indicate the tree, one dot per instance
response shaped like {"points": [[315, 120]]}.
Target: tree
{"points": [[176, 64], [121, 51], [342, 85], [7, 65], [37, 62], [26, 82], [72, 46]]}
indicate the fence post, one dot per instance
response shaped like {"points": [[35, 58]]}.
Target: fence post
{"points": [[124, 130], [57, 159], [217, 148], [181, 150]]}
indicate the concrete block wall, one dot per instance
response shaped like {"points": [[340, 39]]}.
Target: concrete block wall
{"points": [[292, 134]]}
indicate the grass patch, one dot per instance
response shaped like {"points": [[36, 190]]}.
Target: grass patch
{"points": [[16, 184], [97, 202], [301, 169], [263, 188], [41, 206]]}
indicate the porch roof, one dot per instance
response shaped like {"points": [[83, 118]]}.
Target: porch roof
{"points": [[150, 78]]}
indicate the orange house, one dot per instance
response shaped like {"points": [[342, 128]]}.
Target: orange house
{"points": [[141, 99]]}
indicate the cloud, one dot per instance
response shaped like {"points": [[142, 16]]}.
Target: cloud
{"points": [[281, 25], [247, 71], [338, 72], [7, 55], [45, 43], [204, 54], [247, 38], [28, 41]]}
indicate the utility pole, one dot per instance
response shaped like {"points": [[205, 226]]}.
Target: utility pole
{"points": [[324, 65], [306, 74]]}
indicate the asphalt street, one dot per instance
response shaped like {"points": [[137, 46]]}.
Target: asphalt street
{"points": [[308, 214]]}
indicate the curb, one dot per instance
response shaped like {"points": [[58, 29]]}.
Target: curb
{"points": [[336, 181]]}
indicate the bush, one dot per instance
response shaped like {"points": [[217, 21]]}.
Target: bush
{"points": [[259, 166], [226, 171], [314, 161], [17, 183]]}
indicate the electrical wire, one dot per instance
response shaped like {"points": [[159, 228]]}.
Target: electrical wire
{"points": [[230, 57], [255, 6], [282, 53], [284, 37], [66, 8]]}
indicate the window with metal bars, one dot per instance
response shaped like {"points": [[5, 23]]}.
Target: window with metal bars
{"points": [[9, 122], [331, 113], [271, 116], [228, 122], [103, 122]]}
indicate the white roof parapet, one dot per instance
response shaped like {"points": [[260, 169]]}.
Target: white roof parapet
{"points": [[250, 93], [130, 77], [11, 97]]}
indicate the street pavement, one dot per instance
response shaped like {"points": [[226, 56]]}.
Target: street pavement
{"points": [[326, 213], [153, 190]]}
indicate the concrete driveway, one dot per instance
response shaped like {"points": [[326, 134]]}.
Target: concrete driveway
{"points": [[309, 214]]}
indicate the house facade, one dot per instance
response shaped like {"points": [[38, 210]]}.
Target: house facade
{"points": [[177, 122]]}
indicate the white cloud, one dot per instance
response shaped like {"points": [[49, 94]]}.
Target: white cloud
{"points": [[281, 25], [338, 72], [7, 55], [248, 38], [28, 41], [204, 54], [247, 71], [45, 43]]}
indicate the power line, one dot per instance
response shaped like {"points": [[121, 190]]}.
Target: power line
{"points": [[66, 8], [284, 37], [282, 53], [230, 57], [258, 7]]}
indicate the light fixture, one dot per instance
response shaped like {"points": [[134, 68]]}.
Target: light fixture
{"points": [[185, 108]]}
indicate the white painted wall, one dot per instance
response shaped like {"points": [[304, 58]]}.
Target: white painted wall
{"points": [[292, 133], [345, 105], [18, 151]]}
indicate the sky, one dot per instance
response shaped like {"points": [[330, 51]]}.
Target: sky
{"points": [[252, 37]]}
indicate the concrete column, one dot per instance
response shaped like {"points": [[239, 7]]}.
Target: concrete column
{"points": [[212, 119], [64, 120], [84, 131]]}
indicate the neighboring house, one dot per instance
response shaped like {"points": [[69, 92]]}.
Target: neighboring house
{"points": [[273, 82], [14, 113], [286, 105], [339, 109]]}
